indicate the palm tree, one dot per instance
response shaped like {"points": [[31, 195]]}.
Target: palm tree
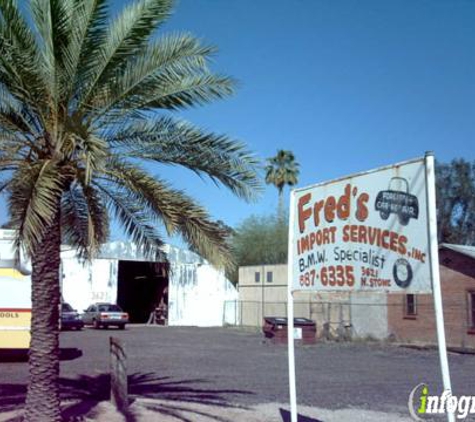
{"points": [[86, 101], [282, 170]]}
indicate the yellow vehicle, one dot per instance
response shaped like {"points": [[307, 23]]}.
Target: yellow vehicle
{"points": [[15, 307]]}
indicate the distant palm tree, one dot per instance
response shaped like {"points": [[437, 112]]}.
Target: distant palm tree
{"points": [[282, 170], [85, 101]]}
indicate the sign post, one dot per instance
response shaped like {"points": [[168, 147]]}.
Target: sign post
{"points": [[374, 231], [436, 289], [290, 322]]}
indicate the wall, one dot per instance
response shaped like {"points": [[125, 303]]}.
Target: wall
{"points": [[84, 283], [197, 296], [259, 299], [457, 274], [335, 309], [369, 314]]}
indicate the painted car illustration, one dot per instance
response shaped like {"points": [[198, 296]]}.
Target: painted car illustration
{"points": [[397, 200]]}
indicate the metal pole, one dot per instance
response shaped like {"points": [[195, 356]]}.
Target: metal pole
{"points": [[224, 313], [291, 346], [240, 314], [434, 265], [290, 315], [262, 295]]}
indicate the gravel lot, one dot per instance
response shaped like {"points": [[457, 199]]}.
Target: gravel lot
{"points": [[228, 367]]}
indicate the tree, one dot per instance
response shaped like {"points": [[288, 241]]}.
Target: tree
{"points": [[456, 202], [85, 101], [282, 170], [260, 240]]}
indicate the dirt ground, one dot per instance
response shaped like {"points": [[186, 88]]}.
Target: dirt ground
{"points": [[145, 410], [192, 374]]}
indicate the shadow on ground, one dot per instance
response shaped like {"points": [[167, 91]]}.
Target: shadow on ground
{"points": [[16, 355], [285, 414], [87, 391], [146, 385]]}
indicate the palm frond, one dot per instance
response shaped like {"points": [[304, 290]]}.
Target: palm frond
{"points": [[35, 193], [179, 213], [88, 31], [170, 54], [175, 91], [282, 169], [4, 184], [209, 240], [13, 23], [15, 116], [51, 22], [171, 141], [84, 219], [93, 152], [127, 34], [20, 57], [133, 219]]}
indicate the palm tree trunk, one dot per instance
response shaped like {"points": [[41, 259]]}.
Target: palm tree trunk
{"points": [[42, 400], [280, 207]]}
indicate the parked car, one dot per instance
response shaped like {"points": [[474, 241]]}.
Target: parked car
{"points": [[70, 319], [105, 315]]}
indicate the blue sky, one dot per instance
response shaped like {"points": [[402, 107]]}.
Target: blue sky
{"points": [[346, 85]]}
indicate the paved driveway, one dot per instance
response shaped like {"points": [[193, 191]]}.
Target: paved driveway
{"points": [[226, 366]]}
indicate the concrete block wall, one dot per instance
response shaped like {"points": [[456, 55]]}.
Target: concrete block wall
{"points": [[369, 315]]}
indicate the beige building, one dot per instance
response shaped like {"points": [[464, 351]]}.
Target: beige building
{"points": [[263, 293]]}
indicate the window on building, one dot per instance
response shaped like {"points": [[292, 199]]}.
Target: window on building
{"points": [[471, 310], [270, 277], [257, 277], [410, 306]]}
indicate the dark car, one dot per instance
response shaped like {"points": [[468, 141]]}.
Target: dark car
{"points": [[397, 201], [105, 315], [70, 319]]}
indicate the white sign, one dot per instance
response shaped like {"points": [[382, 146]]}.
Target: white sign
{"points": [[363, 232], [297, 333]]}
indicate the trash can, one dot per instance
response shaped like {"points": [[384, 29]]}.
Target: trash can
{"points": [[275, 329]]}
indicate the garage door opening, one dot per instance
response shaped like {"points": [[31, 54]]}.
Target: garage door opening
{"points": [[142, 287]]}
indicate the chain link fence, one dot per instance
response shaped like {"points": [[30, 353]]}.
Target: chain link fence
{"points": [[407, 319]]}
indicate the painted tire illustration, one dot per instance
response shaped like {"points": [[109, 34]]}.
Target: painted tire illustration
{"points": [[402, 273]]}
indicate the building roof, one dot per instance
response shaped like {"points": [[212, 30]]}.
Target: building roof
{"points": [[129, 251], [462, 249]]}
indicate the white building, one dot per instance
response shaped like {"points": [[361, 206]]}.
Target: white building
{"points": [[195, 291]]}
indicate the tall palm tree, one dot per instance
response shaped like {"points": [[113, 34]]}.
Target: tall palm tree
{"points": [[86, 100], [282, 170]]}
